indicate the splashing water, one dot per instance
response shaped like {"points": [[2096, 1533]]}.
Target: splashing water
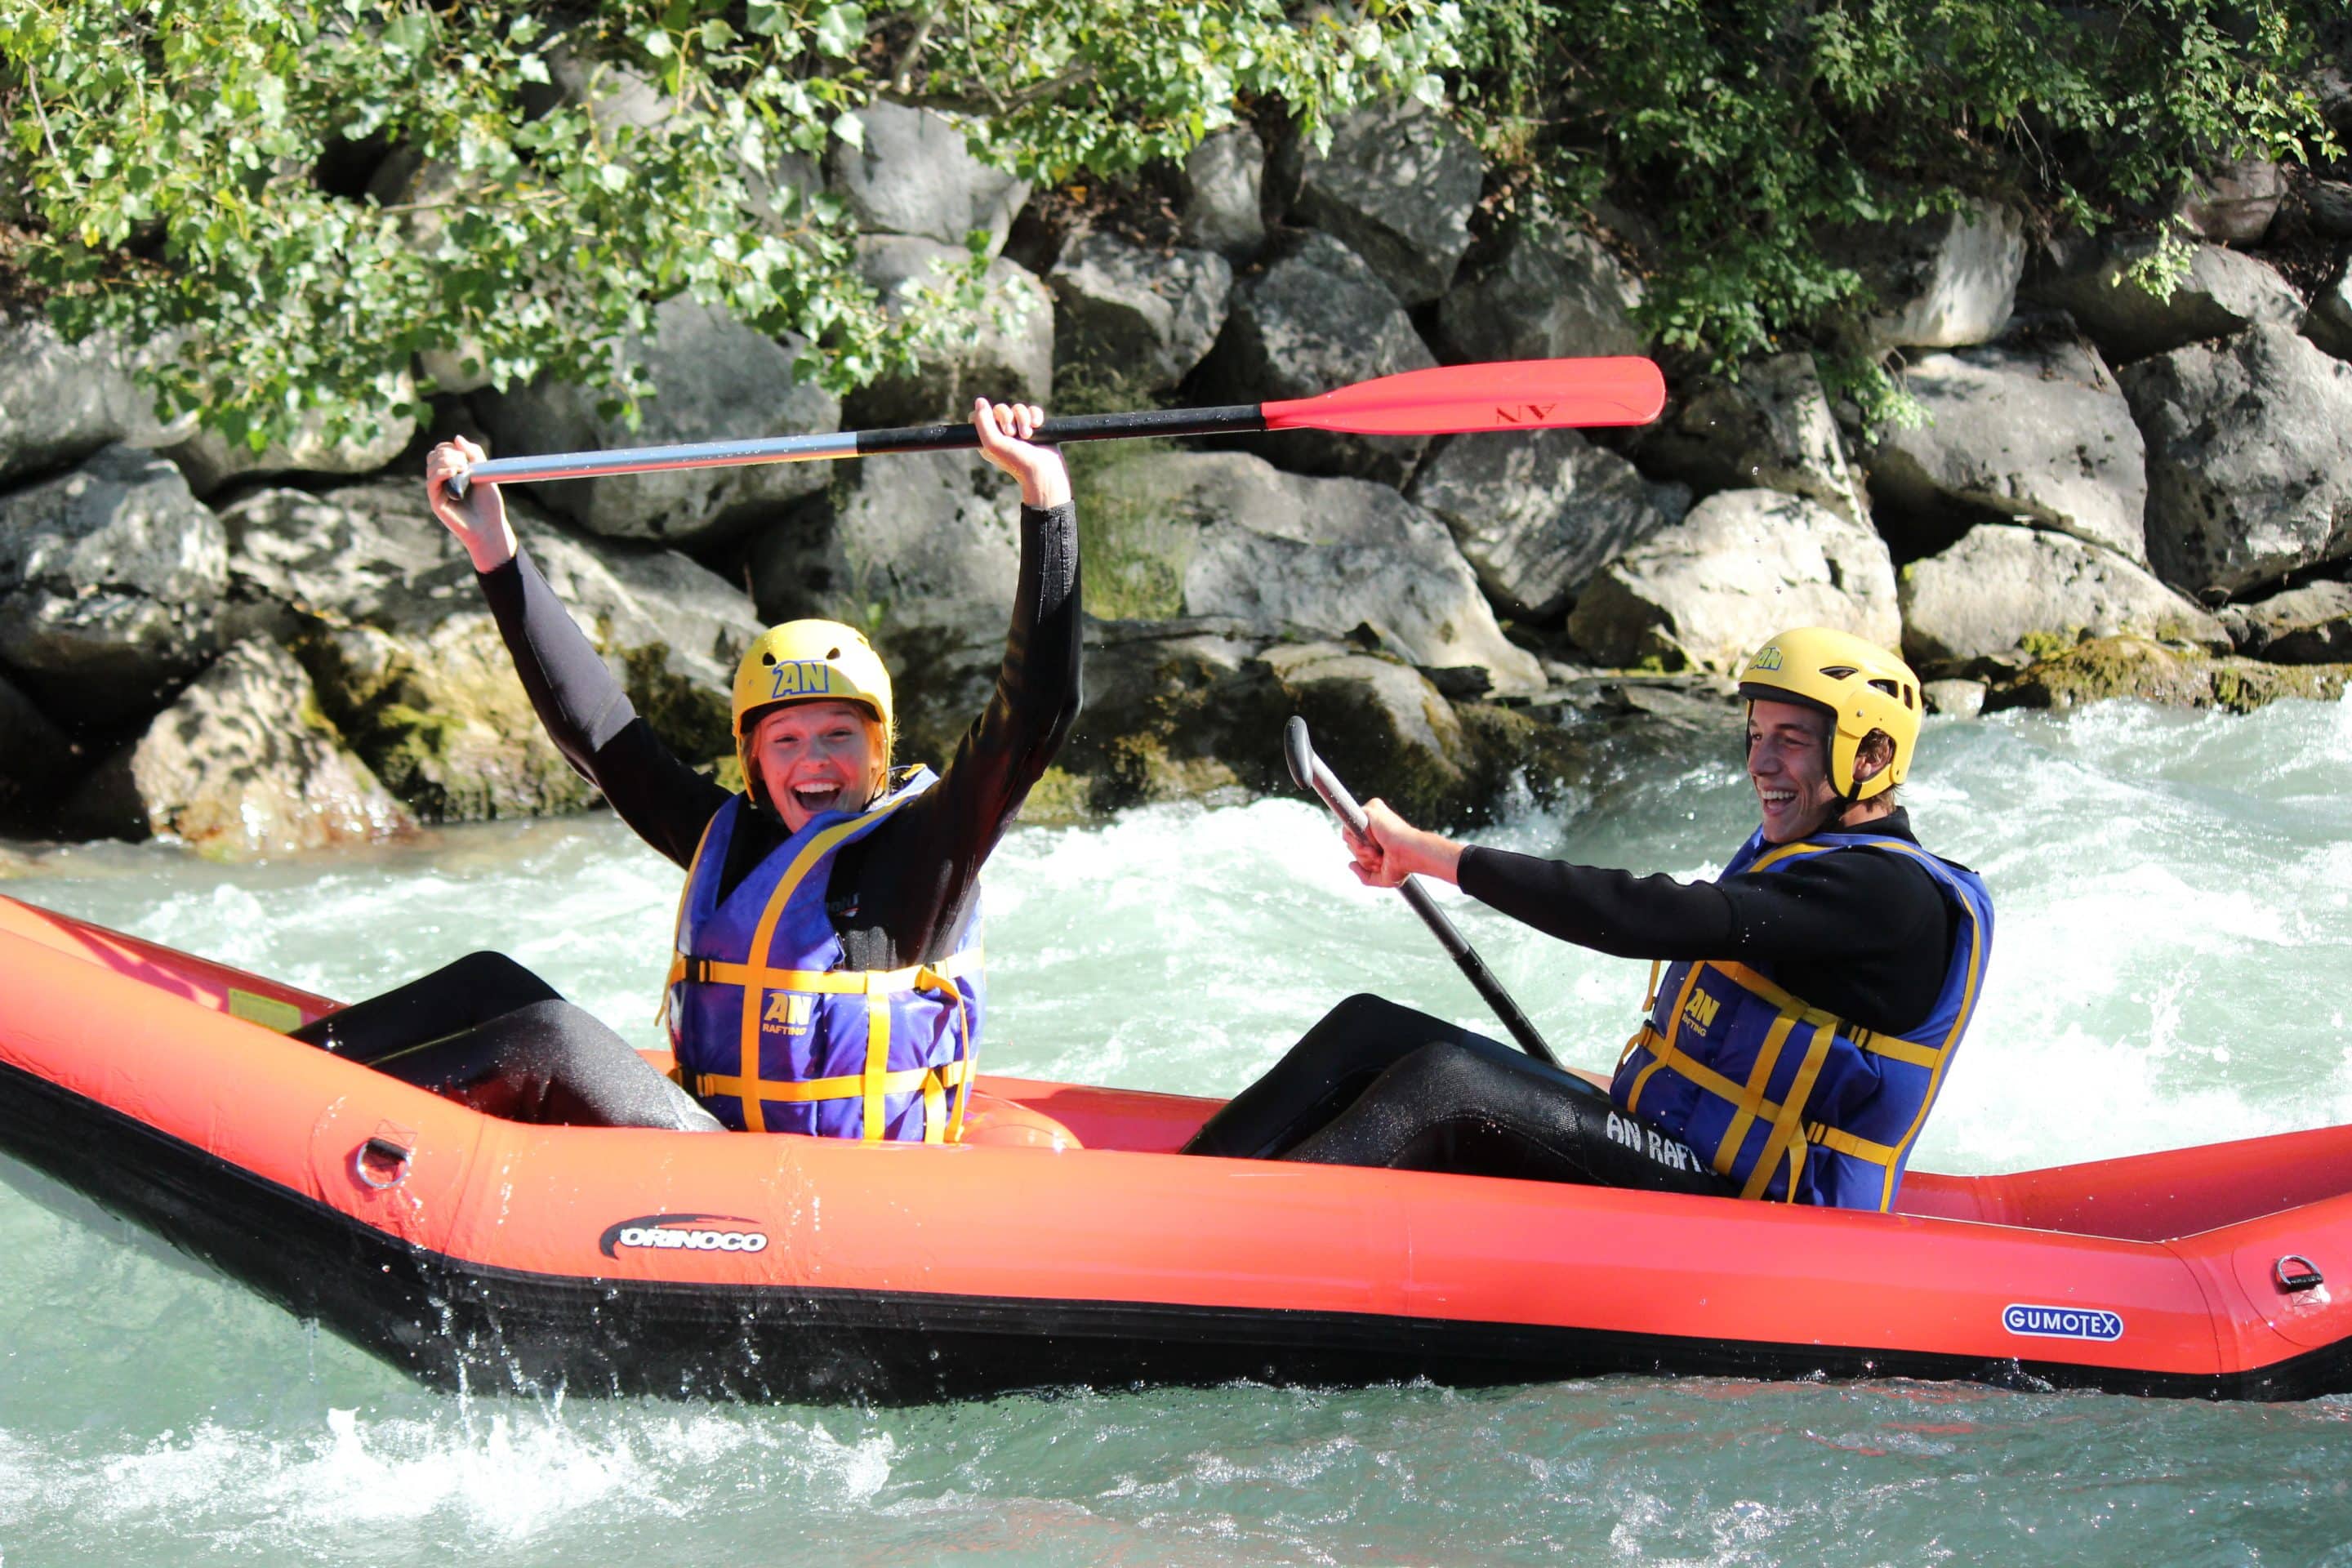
{"points": [[2175, 897]]}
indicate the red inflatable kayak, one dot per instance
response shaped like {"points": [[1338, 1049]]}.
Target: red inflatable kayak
{"points": [[1063, 1243]]}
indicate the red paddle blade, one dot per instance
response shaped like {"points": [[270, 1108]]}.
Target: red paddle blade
{"points": [[1510, 394]]}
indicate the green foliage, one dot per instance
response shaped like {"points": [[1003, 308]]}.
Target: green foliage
{"points": [[195, 172], [1757, 128]]}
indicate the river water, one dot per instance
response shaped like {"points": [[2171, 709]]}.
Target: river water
{"points": [[2175, 897]]}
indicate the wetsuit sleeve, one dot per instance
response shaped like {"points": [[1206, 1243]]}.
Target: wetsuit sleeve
{"points": [[1824, 906], [917, 883], [590, 719]]}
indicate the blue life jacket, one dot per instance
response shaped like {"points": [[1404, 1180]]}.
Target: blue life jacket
{"points": [[1781, 1097], [773, 1033]]}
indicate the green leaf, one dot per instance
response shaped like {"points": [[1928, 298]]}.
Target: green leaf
{"points": [[840, 30]]}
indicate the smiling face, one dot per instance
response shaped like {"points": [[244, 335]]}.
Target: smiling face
{"points": [[817, 756], [1788, 764]]}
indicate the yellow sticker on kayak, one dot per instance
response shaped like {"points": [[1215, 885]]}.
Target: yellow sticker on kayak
{"points": [[266, 1011]]}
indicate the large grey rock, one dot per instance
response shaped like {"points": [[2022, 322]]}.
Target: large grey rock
{"points": [[1943, 281], [2035, 431], [242, 764], [620, 98], [926, 543], [1316, 318], [2327, 206], [2002, 585], [383, 608], [2329, 322], [34, 758], [2310, 624], [1218, 195], [1536, 514], [1770, 429], [59, 402], [1541, 291], [2249, 459], [914, 173], [713, 379], [1397, 187], [109, 575], [2234, 203], [211, 460], [1124, 315], [1708, 591], [1004, 351], [2225, 292], [1224, 534]]}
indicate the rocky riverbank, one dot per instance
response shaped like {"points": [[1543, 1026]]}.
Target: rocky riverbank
{"points": [[2115, 490]]}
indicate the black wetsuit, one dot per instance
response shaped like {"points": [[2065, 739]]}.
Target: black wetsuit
{"points": [[487, 1031], [1862, 934]]}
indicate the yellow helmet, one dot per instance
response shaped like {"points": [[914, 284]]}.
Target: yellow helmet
{"points": [[1860, 686], [808, 661]]}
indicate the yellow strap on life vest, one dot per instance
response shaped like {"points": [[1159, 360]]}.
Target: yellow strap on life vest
{"points": [[846, 1086]]}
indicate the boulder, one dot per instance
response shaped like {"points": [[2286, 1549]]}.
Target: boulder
{"points": [[2034, 431], [244, 763], [2225, 292], [1316, 316], [913, 173], [618, 97], [713, 379], [925, 544], [2310, 624], [1218, 195], [384, 609], [1537, 513], [2249, 459], [1396, 187], [2327, 207], [1711, 589], [1006, 352], [2151, 671], [59, 402], [1772, 428], [1224, 534], [2329, 321], [1942, 281], [109, 576], [2002, 587], [1960, 699], [1126, 316], [38, 759], [2234, 203], [211, 460], [1541, 291]]}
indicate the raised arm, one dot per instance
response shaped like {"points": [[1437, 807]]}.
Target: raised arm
{"points": [[579, 703]]}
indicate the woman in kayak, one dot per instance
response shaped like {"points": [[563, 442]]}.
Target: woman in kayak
{"points": [[826, 975], [1811, 998]]}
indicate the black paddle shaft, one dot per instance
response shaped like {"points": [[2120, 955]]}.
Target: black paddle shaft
{"points": [[1240, 419], [1311, 773]]}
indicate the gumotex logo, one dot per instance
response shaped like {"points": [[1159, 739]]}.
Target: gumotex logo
{"points": [[682, 1232], [2063, 1322]]}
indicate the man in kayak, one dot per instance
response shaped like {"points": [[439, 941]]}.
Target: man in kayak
{"points": [[1811, 999], [827, 977]]}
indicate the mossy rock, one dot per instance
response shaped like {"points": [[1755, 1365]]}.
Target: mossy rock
{"points": [[1134, 554], [2103, 667]]}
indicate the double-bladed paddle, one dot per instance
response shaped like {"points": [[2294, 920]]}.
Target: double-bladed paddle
{"points": [[1510, 394], [1311, 773]]}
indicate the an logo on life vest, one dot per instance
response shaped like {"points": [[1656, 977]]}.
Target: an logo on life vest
{"points": [[788, 1013], [2063, 1322], [682, 1232], [802, 678], [1655, 1144], [1700, 1010]]}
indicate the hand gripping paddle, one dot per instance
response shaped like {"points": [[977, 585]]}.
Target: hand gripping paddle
{"points": [[1511, 394], [1310, 771]]}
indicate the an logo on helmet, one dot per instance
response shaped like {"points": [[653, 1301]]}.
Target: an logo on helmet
{"points": [[1769, 660], [802, 678]]}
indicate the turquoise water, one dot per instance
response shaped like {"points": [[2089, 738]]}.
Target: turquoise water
{"points": [[2175, 899]]}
